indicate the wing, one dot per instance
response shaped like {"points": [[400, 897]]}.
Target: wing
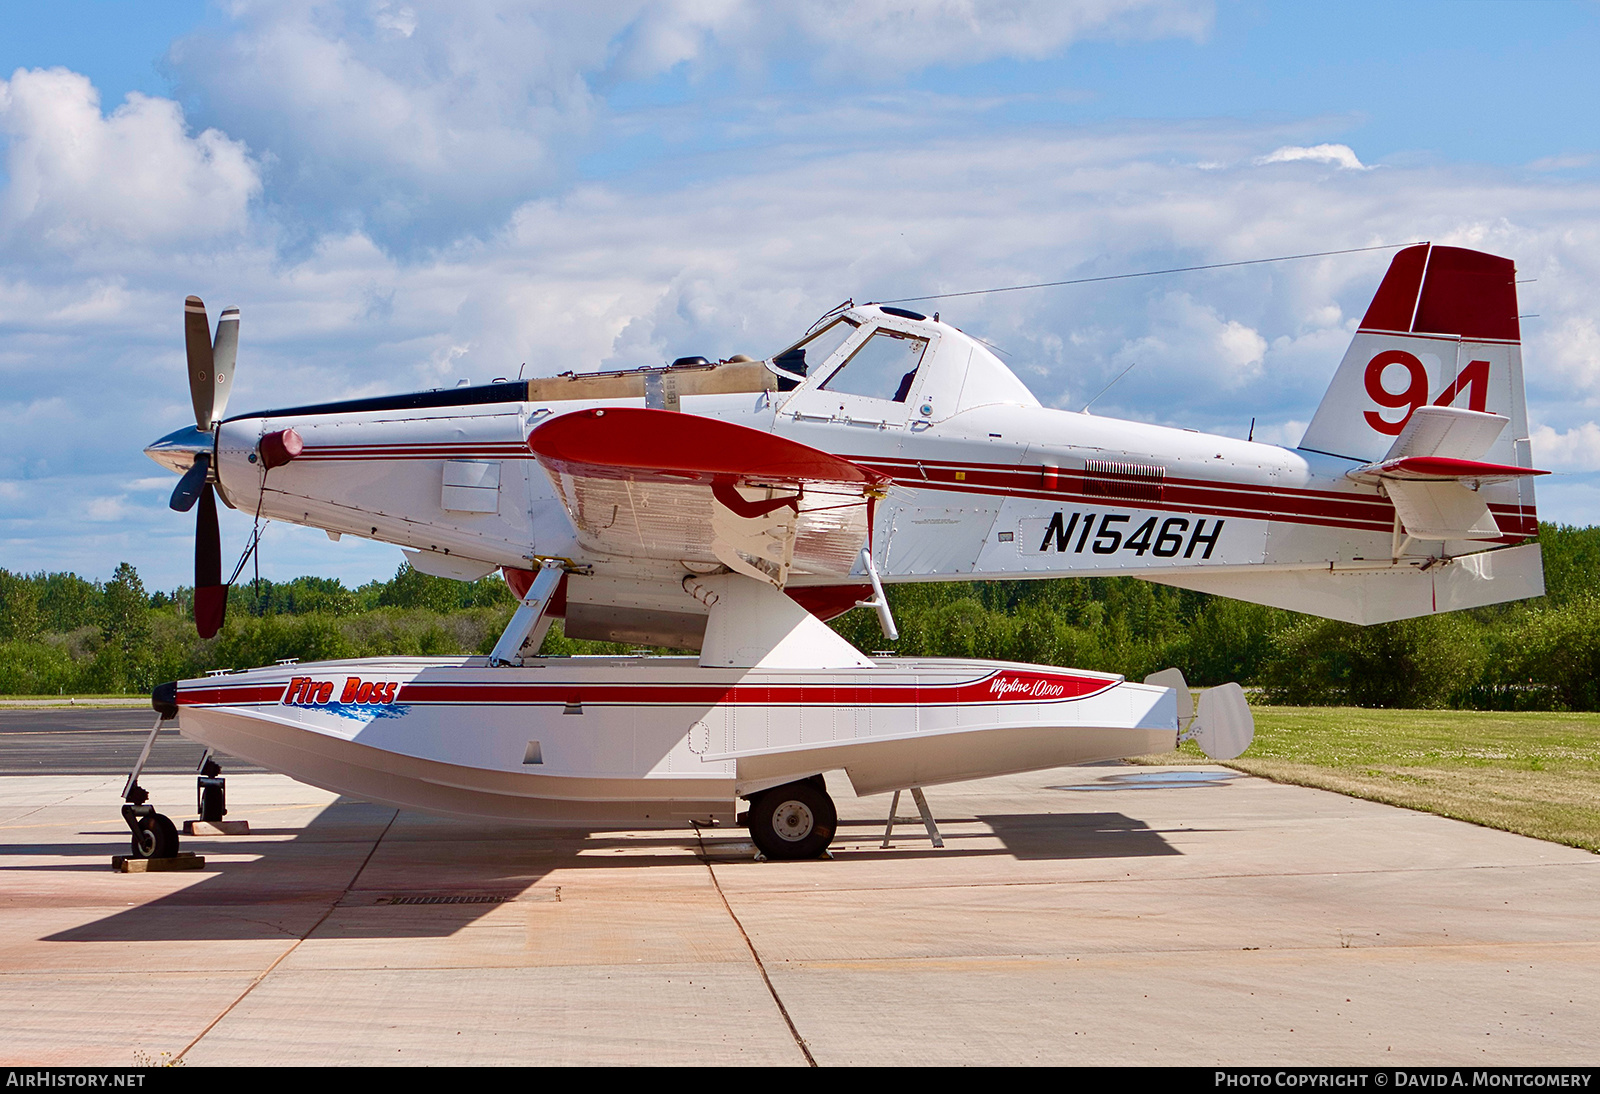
{"points": [[666, 485]]}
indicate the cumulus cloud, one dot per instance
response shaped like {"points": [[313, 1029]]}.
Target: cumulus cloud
{"points": [[1338, 155], [360, 112], [77, 176], [435, 117], [1575, 449], [1191, 345], [966, 31]]}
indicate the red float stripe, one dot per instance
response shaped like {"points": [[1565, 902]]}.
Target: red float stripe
{"points": [[997, 687], [231, 695]]}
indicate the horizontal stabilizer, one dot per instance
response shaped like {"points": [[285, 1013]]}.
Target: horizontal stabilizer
{"points": [[1438, 496], [1440, 469], [1447, 431]]}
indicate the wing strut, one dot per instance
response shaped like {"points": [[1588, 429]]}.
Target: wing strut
{"points": [[529, 623]]}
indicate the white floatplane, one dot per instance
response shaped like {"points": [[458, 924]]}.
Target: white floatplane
{"points": [[731, 507]]}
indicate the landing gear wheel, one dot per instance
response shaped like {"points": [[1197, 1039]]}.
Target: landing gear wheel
{"points": [[155, 837], [793, 821]]}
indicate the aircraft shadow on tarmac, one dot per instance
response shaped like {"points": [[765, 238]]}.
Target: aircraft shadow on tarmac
{"points": [[1076, 835], [360, 870]]}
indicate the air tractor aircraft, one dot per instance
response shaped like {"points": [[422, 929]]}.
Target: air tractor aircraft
{"points": [[733, 507]]}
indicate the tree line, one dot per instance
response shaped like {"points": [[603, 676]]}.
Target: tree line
{"points": [[62, 634]]}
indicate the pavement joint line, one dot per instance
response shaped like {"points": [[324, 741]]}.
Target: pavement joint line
{"points": [[800, 1042], [332, 907]]}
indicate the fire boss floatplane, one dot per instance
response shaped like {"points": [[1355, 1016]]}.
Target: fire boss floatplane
{"points": [[732, 507]]}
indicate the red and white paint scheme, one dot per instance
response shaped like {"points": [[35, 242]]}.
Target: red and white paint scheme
{"points": [[730, 507], [662, 741]]}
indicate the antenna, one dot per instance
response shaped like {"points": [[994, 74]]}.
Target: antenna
{"points": [[1107, 388], [1140, 273]]}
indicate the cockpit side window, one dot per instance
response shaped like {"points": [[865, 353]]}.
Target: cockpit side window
{"points": [[814, 351], [883, 368]]}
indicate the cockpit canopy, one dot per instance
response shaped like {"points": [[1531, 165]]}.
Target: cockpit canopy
{"points": [[894, 355]]}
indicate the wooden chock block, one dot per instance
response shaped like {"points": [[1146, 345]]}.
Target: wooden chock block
{"points": [[216, 828], [183, 860]]}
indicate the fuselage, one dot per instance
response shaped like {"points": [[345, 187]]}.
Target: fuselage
{"points": [[984, 482]]}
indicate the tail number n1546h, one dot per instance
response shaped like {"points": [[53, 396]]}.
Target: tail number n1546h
{"points": [[1109, 533]]}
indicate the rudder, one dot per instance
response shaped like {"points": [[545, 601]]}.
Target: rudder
{"points": [[1442, 330]]}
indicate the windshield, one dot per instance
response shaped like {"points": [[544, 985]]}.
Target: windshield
{"points": [[813, 351]]}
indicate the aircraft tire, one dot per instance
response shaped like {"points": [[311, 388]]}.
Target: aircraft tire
{"points": [[793, 821], [156, 837]]}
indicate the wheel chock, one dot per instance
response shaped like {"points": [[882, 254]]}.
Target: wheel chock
{"points": [[183, 860], [216, 828]]}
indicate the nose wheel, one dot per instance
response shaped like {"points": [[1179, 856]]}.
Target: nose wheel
{"points": [[154, 836], [793, 821]]}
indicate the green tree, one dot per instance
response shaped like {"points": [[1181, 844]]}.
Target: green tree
{"points": [[1425, 662], [67, 602], [411, 588], [20, 618], [124, 609]]}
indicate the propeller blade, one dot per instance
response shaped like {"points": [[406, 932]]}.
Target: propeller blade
{"points": [[224, 352], [202, 377], [210, 594], [187, 492]]}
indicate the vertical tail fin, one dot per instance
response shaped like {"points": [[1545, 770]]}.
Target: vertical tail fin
{"points": [[1441, 331]]}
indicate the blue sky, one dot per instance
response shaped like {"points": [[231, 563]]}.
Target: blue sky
{"points": [[402, 194]]}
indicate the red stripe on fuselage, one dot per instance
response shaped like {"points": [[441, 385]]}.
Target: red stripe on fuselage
{"points": [[1201, 497]]}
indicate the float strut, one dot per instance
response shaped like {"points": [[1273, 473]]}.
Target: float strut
{"points": [[530, 623], [879, 603]]}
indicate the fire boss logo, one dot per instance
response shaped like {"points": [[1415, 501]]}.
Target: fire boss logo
{"points": [[304, 691], [1022, 687]]}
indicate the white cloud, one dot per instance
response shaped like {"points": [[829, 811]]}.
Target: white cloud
{"points": [[1339, 155], [77, 176], [1575, 449], [1192, 345], [1562, 162], [713, 253], [438, 117], [917, 33], [108, 509], [1573, 351]]}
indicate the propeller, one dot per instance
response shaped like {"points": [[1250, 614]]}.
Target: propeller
{"points": [[210, 363], [210, 381]]}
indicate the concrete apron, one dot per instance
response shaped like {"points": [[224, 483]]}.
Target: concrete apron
{"points": [[1078, 916]]}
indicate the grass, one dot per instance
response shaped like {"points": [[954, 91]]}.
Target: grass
{"points": [[1537, 774]]}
